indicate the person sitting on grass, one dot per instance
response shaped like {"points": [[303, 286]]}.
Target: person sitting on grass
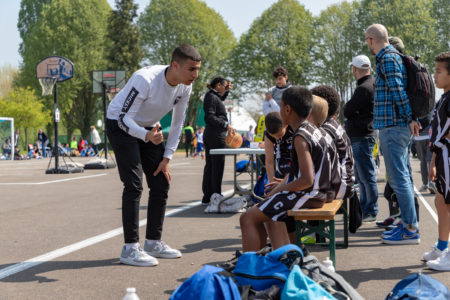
{"points": [[307, 179]]}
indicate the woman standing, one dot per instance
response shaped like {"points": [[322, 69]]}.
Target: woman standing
{"points": [[214, 136]]}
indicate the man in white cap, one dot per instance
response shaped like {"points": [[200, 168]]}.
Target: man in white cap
{"points": [[359, 126]]}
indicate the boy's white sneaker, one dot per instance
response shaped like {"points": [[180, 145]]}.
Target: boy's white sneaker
{"points": [[136, 256], [434, 253], [161, 249], [441, 264]]}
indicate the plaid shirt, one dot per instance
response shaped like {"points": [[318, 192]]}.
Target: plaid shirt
{"points": [[391, 102]]}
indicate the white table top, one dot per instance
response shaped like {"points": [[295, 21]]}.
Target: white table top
{"points": [[229, 151]]}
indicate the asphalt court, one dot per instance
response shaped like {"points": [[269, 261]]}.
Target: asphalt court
{"points": [[42, 214]]}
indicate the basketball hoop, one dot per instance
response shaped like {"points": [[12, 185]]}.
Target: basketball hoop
{"points": [[47, 85]]}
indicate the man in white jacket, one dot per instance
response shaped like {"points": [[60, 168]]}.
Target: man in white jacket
{"points": [[95, 139], [133, 129]]}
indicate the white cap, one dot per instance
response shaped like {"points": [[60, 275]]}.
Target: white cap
{"points": [[361, 62]]}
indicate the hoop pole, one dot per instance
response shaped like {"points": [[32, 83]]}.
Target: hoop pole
{"points": [[55, 148], [104, 120]]}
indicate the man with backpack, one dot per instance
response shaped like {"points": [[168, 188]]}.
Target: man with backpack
{"points": [[393, 117]]}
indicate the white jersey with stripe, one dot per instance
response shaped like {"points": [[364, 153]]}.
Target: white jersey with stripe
{"points": [[145, 100]]}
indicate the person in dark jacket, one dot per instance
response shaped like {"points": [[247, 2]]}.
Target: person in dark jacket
{"points": [[359, 113], [216, 130]]}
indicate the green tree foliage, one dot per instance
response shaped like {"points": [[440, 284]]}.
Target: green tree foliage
{"points": [[123, 38], [410, 20], [441, 12], [165, 24], [26, 108], [7, 75], [336, 42], [76, 30], [281, 36]]}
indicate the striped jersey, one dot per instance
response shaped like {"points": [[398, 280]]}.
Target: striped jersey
{"points": [[145, 100], [344, 149], [282, 148], [320, 158], [440, 123]]}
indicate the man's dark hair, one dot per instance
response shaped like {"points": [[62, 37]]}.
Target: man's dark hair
{"points": [[273, 122], [216, 80], [444, 57], [185, 52], [299, 99], [279, 71], [331, 95]]}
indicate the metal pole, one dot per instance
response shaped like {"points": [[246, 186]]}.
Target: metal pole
{"points": [[55, 148], [104, 121]]}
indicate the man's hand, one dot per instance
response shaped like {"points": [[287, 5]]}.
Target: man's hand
{"points": [[155, 135], [165, 168], [415, 127], [229, 86], [268, 96]]}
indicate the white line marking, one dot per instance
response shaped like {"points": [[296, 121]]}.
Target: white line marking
{"points": [[427, 206], [19, 267], [53, 181]]}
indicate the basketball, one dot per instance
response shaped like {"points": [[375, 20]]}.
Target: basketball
{"points": [[233, 140]]}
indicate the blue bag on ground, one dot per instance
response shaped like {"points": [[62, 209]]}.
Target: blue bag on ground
{"points": [[419, 286], [244, 165], [209, 283], [263, 271], [301, 287], [259, 186]]}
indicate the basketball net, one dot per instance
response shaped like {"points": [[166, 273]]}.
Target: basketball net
{"points": [[47, 85]]}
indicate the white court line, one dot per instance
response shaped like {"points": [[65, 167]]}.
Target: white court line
{"points": [[427, 206], [52, 181], [19, 267]]}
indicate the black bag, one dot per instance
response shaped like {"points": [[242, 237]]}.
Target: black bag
{"points": [[355, 213], [420, 86]]}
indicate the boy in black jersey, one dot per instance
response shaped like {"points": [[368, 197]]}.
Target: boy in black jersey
{"points": [[308, 177], [439, 258], [339, 136]]}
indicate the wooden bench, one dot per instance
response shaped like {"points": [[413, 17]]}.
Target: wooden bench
{"points": [[325, 228]]}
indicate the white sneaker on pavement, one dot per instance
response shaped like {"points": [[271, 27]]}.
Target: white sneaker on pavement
{"points": [[432, 187], [423, 188], [434, 253], [441, 264], [161, 249], [136, 256]]}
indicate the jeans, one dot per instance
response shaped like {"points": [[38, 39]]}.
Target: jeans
{"points": [[44, 147], [364, 167], [394, 143], [134, 157]]}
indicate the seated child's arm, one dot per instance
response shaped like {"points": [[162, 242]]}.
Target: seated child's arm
{"points": [[305, 166], [270, 162]]}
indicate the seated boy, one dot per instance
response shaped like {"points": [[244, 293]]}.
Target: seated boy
{"points": [[306, 178], [439, 258], [340, 139]]}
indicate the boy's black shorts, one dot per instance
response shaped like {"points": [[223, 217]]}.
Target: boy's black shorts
{"points": [[277, 206], [443, 173]]}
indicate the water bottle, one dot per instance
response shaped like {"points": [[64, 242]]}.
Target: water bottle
{"points": [[131, 294], [328, 264]]}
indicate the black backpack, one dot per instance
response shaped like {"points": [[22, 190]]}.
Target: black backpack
{"points": [[420, 86]]}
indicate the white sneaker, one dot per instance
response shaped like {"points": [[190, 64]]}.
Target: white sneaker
{"points": [[135, 256], [423, 188], [441, 264], [435, 253], [432, 187], [161, 249]]}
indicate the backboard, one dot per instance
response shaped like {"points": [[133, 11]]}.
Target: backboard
{"points": [[55, 67], [114, 81]]}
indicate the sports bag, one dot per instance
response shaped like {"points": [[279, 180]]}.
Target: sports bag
{"points": [[420, 86], [262, 271], [419, 286], [209, 283]]}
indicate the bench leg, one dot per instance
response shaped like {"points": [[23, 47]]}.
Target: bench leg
{"points": [[332, 243]]}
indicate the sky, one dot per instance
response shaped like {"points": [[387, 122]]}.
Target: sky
{"points": [[238, 14]]}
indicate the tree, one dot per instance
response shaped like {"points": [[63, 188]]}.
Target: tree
{"points": [[7, 75], [281, 36], [410, 20], [123, 36], [441, 12], [76, 30], [26, 108], [165, 24], [336, 42]]}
